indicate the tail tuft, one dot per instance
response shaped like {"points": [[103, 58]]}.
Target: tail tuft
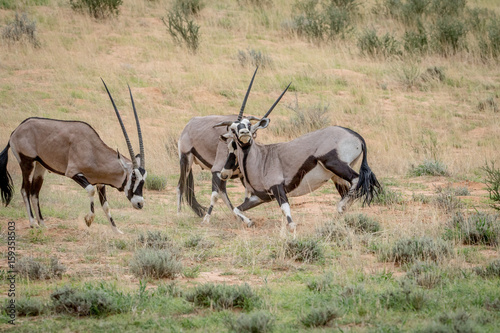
{"points": [[368, 185]]}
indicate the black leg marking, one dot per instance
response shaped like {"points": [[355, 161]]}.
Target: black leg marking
{"points": [[332, 162], [27, 166]]}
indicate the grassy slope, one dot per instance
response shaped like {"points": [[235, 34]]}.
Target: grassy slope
{"points": [[61, 80]]}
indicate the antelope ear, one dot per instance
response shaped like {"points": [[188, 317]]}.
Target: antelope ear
{"points": [[226, 136], [263, 123], [138, 159], [125, 165]]}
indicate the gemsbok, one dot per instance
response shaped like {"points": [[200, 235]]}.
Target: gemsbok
{"points": [[75, 150], [200, 143], [295, 168]]}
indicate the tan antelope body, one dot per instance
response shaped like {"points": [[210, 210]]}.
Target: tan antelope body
{"points": [[75, 150]]}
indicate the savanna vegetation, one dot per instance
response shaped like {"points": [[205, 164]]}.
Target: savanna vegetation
{"points": [[418, 79]]}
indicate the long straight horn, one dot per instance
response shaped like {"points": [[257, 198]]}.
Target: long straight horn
{"points": [[139, 132], [277, 101], [129, 145], [246, 96]]}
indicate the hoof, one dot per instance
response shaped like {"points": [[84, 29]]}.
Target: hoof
{"points": [[89, 218], [117, 231], [206, 219], [250, 224], [292, 226]]}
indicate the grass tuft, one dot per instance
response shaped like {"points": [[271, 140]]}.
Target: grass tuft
{"points": [[307, 250], [408, 250], [362, 223], [318, 317], [474, 229], [221, 296], [40, 269], [98, 9], [155, 263], [156, 183], [429, 168], [255, 322], [21, 29]]}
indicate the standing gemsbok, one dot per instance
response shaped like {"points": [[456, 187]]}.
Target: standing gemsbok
{"points": [[75, 150], [282, 170]]}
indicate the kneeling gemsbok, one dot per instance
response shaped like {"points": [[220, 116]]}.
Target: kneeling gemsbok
{"points": [[298, 167], [75, 150]]}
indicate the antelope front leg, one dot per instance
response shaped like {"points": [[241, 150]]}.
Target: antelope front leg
{"points": [[280, 196], [101, 189], [83, 182]]}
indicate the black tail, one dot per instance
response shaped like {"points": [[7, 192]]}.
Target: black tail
{"points": [[186, 186], [6, 185], [368, 185]]}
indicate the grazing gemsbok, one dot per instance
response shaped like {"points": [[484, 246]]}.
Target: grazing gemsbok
{"points": [[298, 167], [200, 143], [75, 150]]}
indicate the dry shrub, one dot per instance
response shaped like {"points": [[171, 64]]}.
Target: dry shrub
{"points": [[155, 263], [40, 268]]}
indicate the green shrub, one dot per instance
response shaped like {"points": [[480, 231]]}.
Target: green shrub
{"points": [[26, 307], [155, 263], [362, 223], [318, 317], [221, 296], [321, 284], [372, 45], [156, 183], [416, 41], [429, 168], [405, 298], [255, 322], [22, 29], [303, 250], [254, 59], [8, 4], [447, 200], [408, 250], [334, 231], [155, 239], [449, 35], [492, 182], [98, 9], [198, 241], [89, 301], [387, 197], [477, 228], [170, 289], [492, 270], [425, 274], [40, 268], [183, 29], [452, 8]]}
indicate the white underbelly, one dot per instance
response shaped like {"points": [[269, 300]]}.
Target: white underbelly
{"points": [[312, 181]]}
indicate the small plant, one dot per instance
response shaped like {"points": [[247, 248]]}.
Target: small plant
{"points": [[156, 183], [492, 182], [198, 241], [21, 29], [254, 58], [318, 317], [488, 104], [334, 231], [429, 168], [170, 289], [155, 240], [98, 9], [183, 29], [477, 228], [449, 35], [259, 321], [387, 197], [408, 250], [490, 271], [26, 307], [405, 298], [425, 274], [191, 272], [39, 269], [416, 41], [221, 296], [89, 301], [447, 200], [189, 7], [321, 284], [155, 263], [303, 250], [372, 45], [362, 223]]}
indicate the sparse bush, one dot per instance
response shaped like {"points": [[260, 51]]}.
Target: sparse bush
{"points": [[255, 322], [493, 305], [318, 317], [372, 45], [255, 58], [452, 8], [492, 182], [183, 29], [429, 168], [321, 284], [425, 274], [170, 289], [449, 35], [447, 200], [416, 41], [189, 7], [303, 250], [155, 239], [492, 270], [198, 241], [334, 231], [361, 223], [25, 307], [221, 296], [406, 298], [488, 104], [155, 263], [21, 29], [156, 183], [387, 197], [477, 228], [90, 301], [433, 74], [98, 9], [456, 322], [303, 120], [408, 250], [39, 269]]}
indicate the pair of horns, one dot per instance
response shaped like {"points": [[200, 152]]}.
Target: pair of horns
{"points": [[240, 115], [129, 145]]}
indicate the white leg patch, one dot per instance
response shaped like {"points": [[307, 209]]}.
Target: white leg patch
{"points": [[245, 219]]}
